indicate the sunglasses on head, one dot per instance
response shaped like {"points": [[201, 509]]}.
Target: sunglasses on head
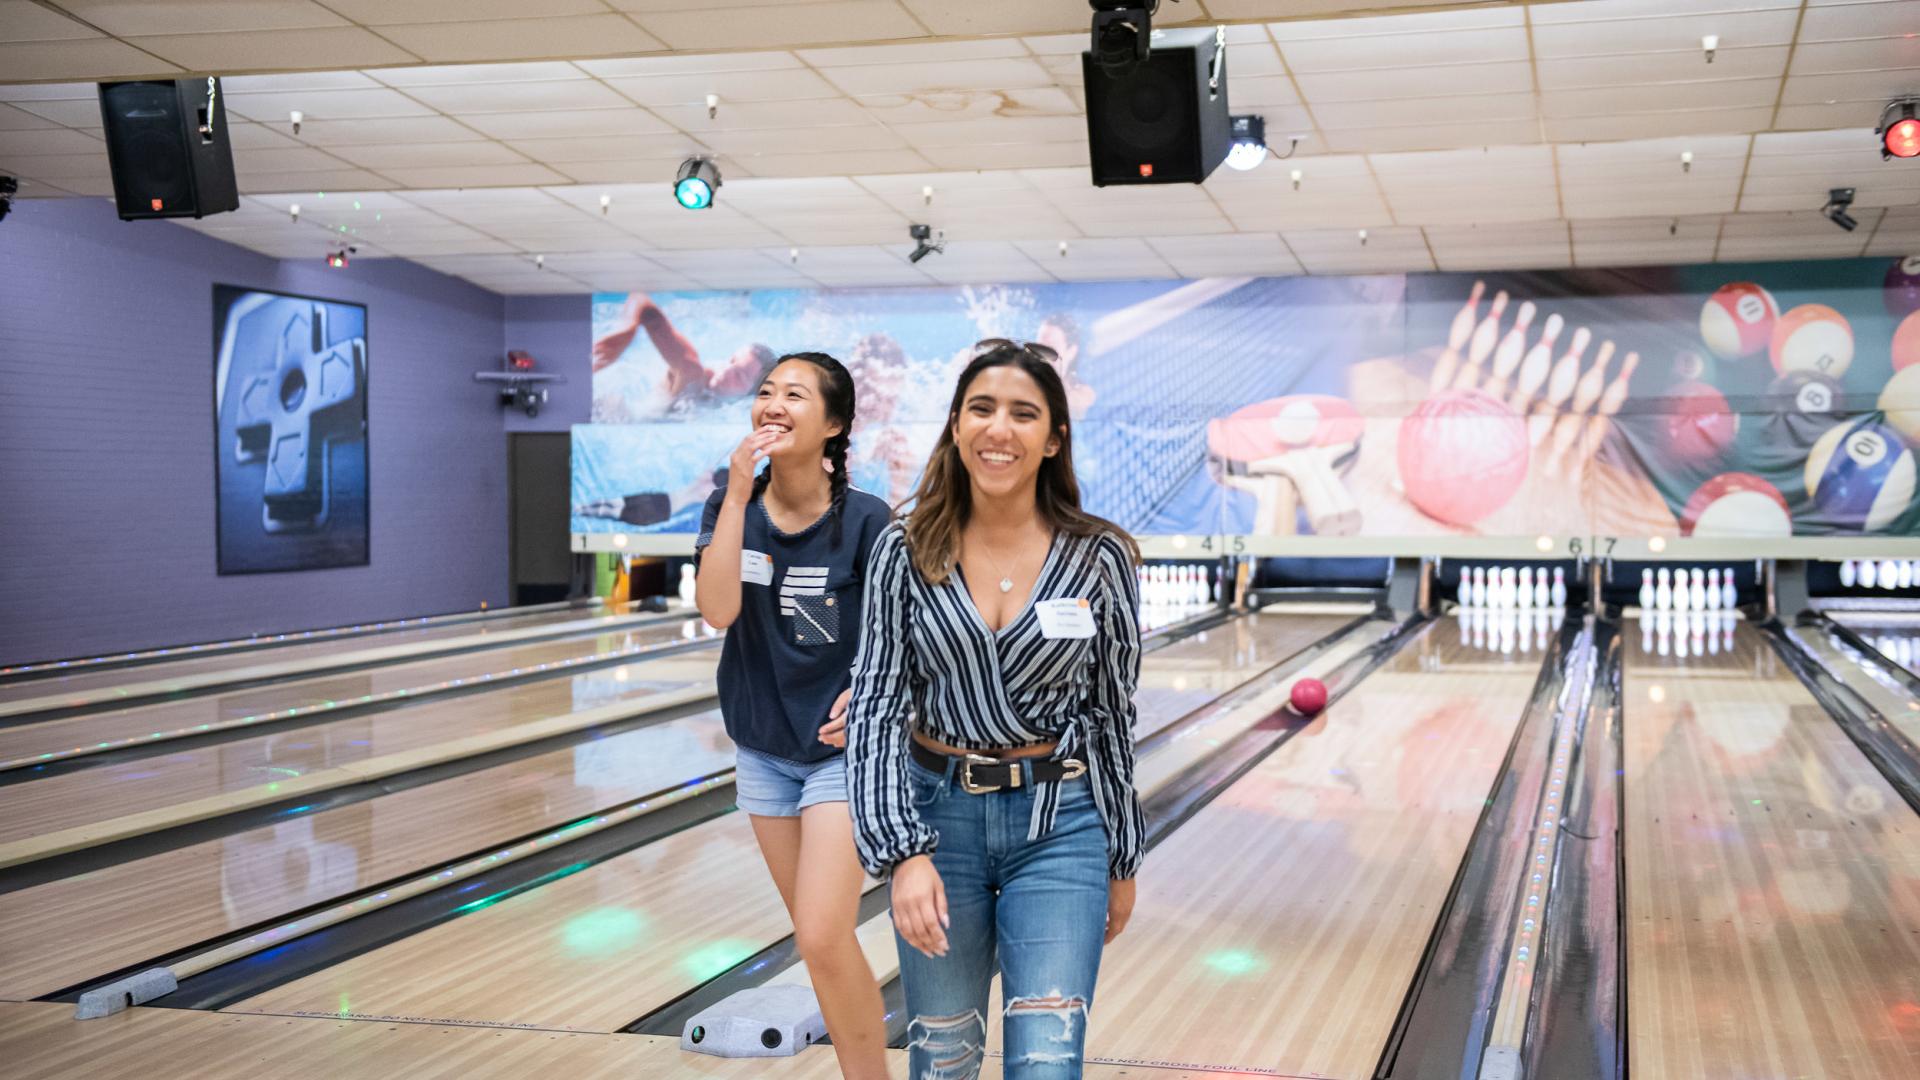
{"points": [[986, 345]]}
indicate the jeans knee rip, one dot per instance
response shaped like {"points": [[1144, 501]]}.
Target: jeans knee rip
{"points": [[1069, 1010], [955, 1045]]}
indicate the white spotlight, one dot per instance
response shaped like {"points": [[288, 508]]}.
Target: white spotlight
{"points": [[1249, 147]]}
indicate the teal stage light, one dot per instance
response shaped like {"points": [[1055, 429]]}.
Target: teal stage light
{"points": [[695, 184]]}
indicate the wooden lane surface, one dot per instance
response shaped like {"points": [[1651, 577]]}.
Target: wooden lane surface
{"points": [[192, 667], [66, 932], [595, 950], [212, 772], [44, 1042], [1288, 916], [1193, 671], [317, 696], [1772, 880]]}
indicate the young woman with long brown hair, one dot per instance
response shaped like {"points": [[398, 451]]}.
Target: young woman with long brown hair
{"points": [[990, 752]]}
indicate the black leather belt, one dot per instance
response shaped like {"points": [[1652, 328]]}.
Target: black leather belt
{"points": [[980, 774]]}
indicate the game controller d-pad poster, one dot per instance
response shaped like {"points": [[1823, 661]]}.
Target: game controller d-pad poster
{"points": [[291, 460]]}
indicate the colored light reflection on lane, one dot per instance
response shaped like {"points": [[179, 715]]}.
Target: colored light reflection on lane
{"points": [[716, 957], [602, 931], [1234, 963]]}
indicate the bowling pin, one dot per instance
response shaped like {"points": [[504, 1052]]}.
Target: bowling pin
{"points": [[1586, 394], [1867, 574], [1610, 402], [1506, 358], [1906, 574], [1524, 598], [1646, 590], [1533, 370], [1509, 586], [1889, 574], [687, 585], [1663, 593], [1847, 575], [1729, 596], [1476, 586], [1560, 587], [1463, 323], [1697, 592], [1713, 589], [1481, 344], [1541, 595], [1559, 387]]}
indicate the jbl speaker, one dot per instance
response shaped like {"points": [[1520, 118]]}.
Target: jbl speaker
{"points": [[167, 145], [1163, 120], [762, 1021]]}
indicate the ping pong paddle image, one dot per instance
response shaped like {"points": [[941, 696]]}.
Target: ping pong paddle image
{"points": [[1292, 448]]}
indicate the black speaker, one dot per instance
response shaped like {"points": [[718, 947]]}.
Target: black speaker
{"points": [[167, 144], [1163, 120]]}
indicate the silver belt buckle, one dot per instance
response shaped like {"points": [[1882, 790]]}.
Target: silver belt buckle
{"points": [[966, 774], [1075, 769]]}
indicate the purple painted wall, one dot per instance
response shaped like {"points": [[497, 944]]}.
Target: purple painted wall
{"points": [[106, 439], [558, 331]]}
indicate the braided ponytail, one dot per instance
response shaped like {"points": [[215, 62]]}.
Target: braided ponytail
{"points": [[837, 395]]}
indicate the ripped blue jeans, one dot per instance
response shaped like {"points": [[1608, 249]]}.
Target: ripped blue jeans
{"points": [[1034, 911]]}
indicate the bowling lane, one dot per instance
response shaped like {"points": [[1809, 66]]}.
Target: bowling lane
{"points": [[55, 668], [87, 683], [1882, 689], [1293, 910], [1183, 676], [1897, 637], [67, 931], [82, 798], [1772, 879], [595, 950], [316, 696]]}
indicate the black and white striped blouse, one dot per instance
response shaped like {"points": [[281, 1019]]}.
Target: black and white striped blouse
{"points": [[926, 654]]}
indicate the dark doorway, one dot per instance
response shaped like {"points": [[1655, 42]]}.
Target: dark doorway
{"points": [[541, 563]]}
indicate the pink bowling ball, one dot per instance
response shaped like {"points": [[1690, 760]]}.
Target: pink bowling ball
{"points": [[1463, 455]]}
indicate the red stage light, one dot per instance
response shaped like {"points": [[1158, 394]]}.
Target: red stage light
{"points": [[1903, 138]]}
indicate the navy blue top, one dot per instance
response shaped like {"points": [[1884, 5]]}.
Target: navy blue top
{"points": [[791, 650]]}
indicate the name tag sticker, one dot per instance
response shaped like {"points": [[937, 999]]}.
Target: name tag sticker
{"points": [[755, 568], [1065, 619]]}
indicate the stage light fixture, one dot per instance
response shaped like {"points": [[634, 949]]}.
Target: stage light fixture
{"points": [[925, 243], [9, 186], [696, 183], [338, 259], [1838, 199], [1122, 32], [1899, 130], [1249, 146]]}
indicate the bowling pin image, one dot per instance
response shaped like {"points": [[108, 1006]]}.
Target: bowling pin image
{"points": [[1463, 324], [1663, 592], [1646, 590]]}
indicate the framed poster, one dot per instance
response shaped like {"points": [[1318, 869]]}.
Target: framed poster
{"points": [[290, 431]]}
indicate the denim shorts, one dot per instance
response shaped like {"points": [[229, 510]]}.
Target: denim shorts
{"points": [[775, 787]]}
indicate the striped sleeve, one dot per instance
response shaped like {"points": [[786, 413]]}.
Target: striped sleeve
{"points": [[1116, 676], [886, 830]]}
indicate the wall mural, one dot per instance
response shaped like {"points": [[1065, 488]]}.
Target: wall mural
{"points": [[290, 447], [1765, 400]]}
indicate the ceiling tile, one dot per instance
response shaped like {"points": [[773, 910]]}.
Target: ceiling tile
{"points": [[1488, 46], [91, 59], [83, 113], [1339, 251], [468, 74], [1641, 69], [388, 12], [517, 96], [1641, 34], [130, 17], [377, 131], [784, 26], [732, 87], [424, 155], [688, 63], [1412, 83], [931, 52], [1008, 156], [23, 20], [1656, 241], [919, 78], [864, 161], [655, 147], [1840, 22], [335, 179], [969, 105], [1657, 124], [474, 175], [1542, 245], [15, 119], [1003, 17], [561, 36], [344, 46], [16, 143], [764, 115], [325, 105], [612, 126], [1259, 254]]}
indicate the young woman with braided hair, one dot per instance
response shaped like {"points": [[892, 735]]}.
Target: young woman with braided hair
{"points": [[782, 561]]}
